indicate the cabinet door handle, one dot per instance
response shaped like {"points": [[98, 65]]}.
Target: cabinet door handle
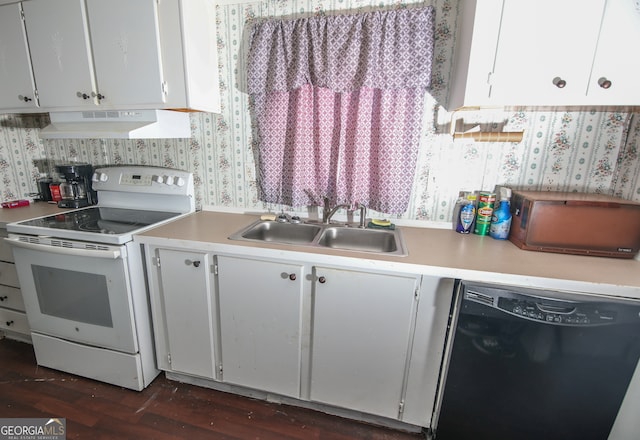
{"points": [[604, 83], [83, 95], [9, 323], [2, 298], [322, 280], [100, 96], [24, 98], [559, 82]]}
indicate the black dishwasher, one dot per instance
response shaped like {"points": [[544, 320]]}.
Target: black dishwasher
{"points": [[529, 364]]}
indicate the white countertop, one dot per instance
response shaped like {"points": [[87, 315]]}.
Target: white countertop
{"points": [[439, 252]]}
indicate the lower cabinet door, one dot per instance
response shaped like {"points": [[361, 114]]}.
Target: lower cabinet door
{"points": [[189, 311], [361, 334], [260, 323]]}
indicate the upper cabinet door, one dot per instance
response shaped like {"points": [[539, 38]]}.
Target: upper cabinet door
{"points": [[126, 51], [17, 87], [616, 68], [545, 51], [60, 52]]}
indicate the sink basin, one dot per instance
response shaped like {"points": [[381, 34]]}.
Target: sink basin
{"points": [[389, 242], [293, 233], [368, 240]]}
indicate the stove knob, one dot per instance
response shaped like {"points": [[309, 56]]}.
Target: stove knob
{"points": [[169, 180], [157, 179], [179, 181], [99, 177]]}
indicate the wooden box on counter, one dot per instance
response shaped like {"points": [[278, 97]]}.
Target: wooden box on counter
{"points": [[575, 223]]}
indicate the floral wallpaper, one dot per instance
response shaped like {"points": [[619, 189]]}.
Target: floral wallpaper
{"points": [[595, 151]]}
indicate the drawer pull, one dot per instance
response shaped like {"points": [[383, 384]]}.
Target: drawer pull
{"points": [[3, 298], [9, 323]]}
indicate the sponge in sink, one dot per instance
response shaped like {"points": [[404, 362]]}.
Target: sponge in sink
{"points": [[269, 216], [380, 224]]}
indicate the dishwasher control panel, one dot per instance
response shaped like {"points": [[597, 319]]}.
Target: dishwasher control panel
{"points": [[561, 313]]}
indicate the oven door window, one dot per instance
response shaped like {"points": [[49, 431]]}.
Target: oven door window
{"points": [[88, 304], [81, 299]]}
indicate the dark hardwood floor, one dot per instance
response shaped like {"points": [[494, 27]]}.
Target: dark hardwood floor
{"points": [[164, 410]]}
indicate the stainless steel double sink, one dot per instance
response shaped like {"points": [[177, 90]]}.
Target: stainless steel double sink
{"points": [[344, 237]]}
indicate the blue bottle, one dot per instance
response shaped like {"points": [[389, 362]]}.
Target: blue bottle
{"points": [[501, 219], [465, 212]]}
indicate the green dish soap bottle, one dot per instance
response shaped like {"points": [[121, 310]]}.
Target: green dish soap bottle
{"points": [[501, 219]]}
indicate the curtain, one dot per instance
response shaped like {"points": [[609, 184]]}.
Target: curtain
{"points": [[338, 105]]}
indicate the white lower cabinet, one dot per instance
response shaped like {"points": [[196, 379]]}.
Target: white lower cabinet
{"points": [[361, 334], [13, 318], [361, 340], [261, 323], [183, 308]]}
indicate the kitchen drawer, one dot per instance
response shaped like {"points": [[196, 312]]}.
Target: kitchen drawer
{"points": [[11, 298], [14, 321], [5, 248], [8, 274]]}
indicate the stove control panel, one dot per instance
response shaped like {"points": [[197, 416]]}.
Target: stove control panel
{"points": [[142, 179]]}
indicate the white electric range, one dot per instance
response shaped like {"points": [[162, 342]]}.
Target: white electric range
{"points": [[82, 276]]}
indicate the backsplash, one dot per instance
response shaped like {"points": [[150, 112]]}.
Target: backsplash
{"points": [[561, 150]]}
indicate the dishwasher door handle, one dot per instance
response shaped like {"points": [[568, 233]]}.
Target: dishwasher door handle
{"points": [[556, 309]]}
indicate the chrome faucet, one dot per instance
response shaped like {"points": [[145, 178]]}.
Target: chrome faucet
{"points": [[363, 216], [328, 212]]}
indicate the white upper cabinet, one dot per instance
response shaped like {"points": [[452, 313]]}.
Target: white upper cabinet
{"points": [[59, 42], [123, 54], [616, 67], [17, 89], [545, 53], [126, 51]]}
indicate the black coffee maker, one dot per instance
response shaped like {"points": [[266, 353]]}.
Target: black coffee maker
{"points": [[75, 188]]}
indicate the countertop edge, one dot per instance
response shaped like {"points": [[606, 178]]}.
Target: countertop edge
{"points": [[436, 252]]}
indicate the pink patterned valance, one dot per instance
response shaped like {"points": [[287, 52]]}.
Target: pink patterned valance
{"points": [[376, 50]]}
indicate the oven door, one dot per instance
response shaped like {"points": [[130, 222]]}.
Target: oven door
{"points": [[76, 291]]}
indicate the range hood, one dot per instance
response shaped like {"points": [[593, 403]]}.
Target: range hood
{"points": [[118, 124]]}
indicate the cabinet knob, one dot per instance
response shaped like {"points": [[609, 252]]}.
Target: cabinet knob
{"points": [[24, 98], [83, 95], [9, 323], [604, 83], [559, 82], [5, 297], [195, 263], [322, 280], [100, 96], [292, 276]]}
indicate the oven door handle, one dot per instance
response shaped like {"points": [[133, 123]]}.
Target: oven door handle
{"points": [[111, 254]]}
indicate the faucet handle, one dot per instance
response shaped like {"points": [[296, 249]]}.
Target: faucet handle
{"points": [[282, 218]]}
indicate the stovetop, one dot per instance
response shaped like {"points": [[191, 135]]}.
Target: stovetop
{"points": [[97, 224], [131, 199], [99, 220]]}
